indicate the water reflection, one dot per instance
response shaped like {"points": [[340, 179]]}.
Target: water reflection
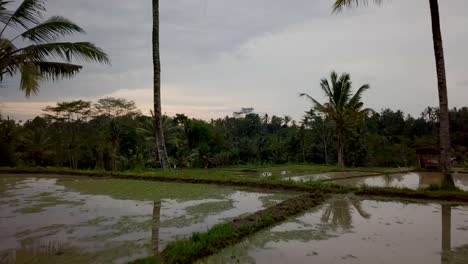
{"points": [[35, 252], [413, 180], [155, 227], [446, 232], [132, 220], [338, 212], [364, 231]]}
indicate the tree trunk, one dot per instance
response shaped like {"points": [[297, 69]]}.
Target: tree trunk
{"points": [[340, 146], [155, 227], [159, 135], [326, 152], [444, 132]]}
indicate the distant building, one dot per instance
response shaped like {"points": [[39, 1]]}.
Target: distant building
{"points": [[428, 158]]}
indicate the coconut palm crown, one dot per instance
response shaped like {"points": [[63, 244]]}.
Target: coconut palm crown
{"points": [[29, 45], [342, 106]]}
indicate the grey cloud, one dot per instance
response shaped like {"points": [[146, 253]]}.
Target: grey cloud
{"points": [[261, 53]]}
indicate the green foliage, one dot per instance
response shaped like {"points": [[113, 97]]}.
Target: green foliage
{"points": [[43, 58], [112, 135], [343, 107]]}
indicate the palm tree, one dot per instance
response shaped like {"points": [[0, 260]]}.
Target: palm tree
{"points": [[44, 58], [37, 145], [342, 107], [159, 134], [444, 130]]}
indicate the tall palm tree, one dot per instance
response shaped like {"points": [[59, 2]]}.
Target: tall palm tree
{"points": [[444, 130], [41, 58], [342, 107], [159, 134]]}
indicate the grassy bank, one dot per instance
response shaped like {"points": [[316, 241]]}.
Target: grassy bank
{"points": [[422, 194], [201, 245]]}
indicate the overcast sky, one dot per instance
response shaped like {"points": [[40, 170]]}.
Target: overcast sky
{"points": [[221, 55]]}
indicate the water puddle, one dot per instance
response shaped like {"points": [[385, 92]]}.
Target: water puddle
{"points": [[83, 220], [412, 180], [347, 229]]}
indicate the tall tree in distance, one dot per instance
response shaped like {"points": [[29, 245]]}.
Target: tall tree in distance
{"points": [[444, 130], [342, 107], [159, 134], [42, 57]]}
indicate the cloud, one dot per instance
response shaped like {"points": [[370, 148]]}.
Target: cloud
{"points": [[220, 55]]}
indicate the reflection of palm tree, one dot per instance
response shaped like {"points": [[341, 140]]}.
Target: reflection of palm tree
{"points": [[339, 210], [446, 231], [37, 252], [155, 228]]}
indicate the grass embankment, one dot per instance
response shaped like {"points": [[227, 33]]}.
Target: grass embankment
{"points": [[431, 193], [201, 245]]}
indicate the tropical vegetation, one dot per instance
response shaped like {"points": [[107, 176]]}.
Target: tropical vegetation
{"points": [[112, 134], [30, 46], [342, 107], [444, 119]]}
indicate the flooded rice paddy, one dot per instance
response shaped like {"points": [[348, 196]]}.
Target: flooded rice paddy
{"points": [[347, 229], [411, 180], [83, 220], [403, 179]]}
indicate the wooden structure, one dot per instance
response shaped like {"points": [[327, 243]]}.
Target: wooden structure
{"points": [[428, 158]]}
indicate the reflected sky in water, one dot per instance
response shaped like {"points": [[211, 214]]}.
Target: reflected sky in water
{"points": [[347, 229], [88, 227]]}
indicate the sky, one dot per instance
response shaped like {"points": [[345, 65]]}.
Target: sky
{"points": [[221, 55]]}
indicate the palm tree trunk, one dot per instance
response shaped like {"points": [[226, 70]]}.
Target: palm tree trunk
{"points": [[444, 132], [340, 146], [159, 135]]}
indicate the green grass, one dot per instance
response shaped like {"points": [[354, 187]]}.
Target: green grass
{"points": [[204, 244], [430, 193]]}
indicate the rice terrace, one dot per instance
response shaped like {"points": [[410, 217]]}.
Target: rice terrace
{"points": [[220, 132]]}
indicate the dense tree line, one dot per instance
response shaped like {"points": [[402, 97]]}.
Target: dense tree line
{"points": [[112, 134]]}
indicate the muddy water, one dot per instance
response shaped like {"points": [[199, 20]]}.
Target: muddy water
{"points": [[83, 220], [412, 180], [350, 230]]}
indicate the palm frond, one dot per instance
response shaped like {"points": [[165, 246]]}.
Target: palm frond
{"points": [[81, 51], [326, 88], [5, 14], [339, 5], [343, 90], [51, 29], [57, 70], [30, 78], [358, 95], [316, 103], [26, 15]]}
